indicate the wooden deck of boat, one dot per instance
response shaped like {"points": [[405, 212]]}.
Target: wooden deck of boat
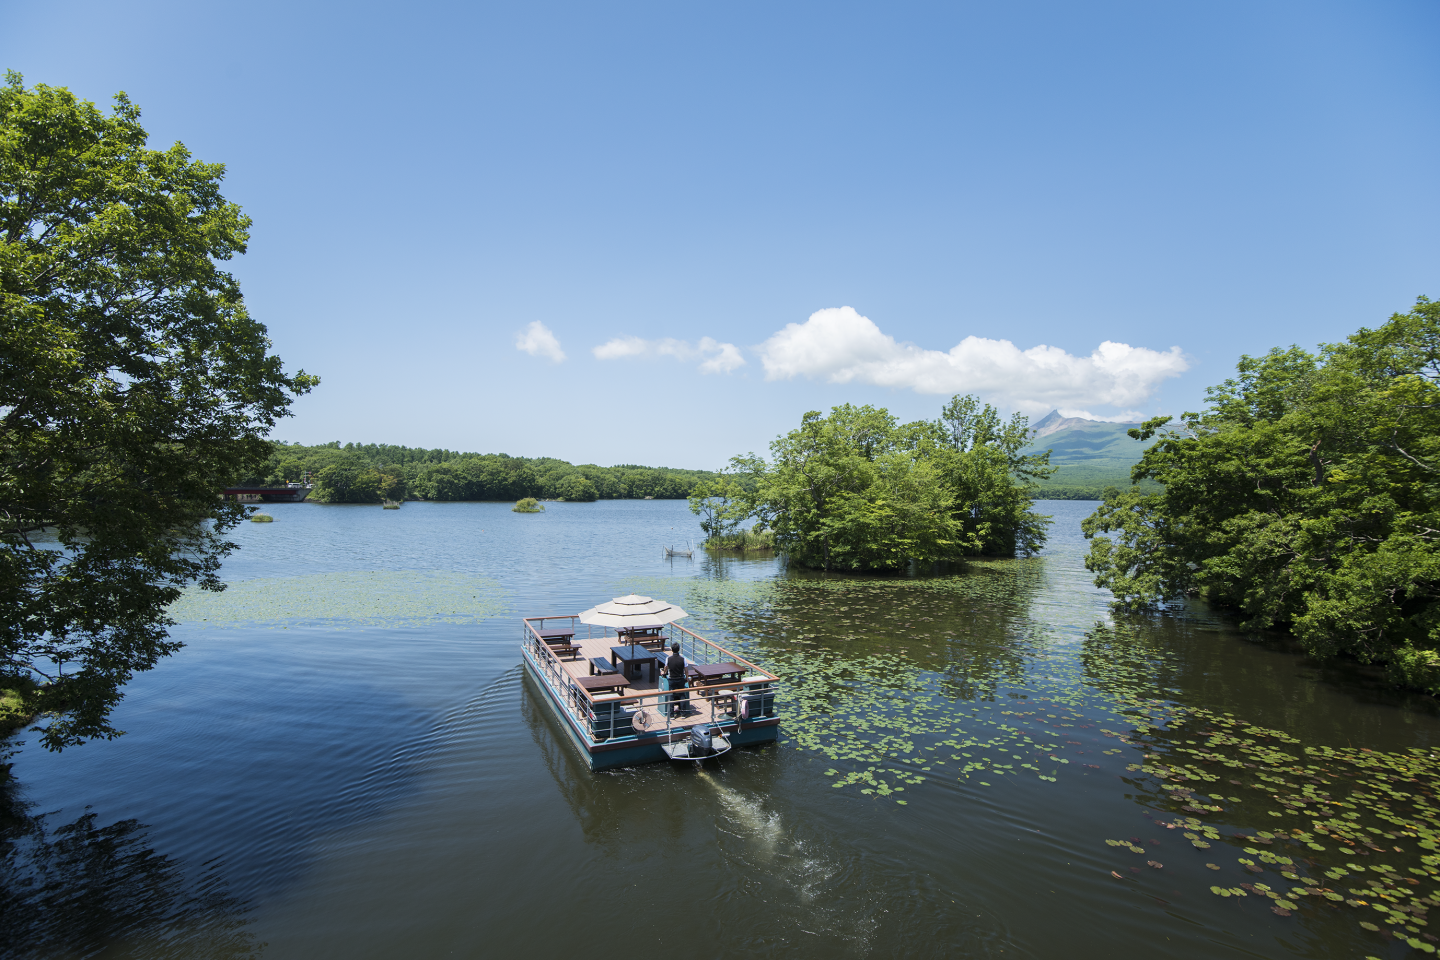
{"points": [[703, 708]]}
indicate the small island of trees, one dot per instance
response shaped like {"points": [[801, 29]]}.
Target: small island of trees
{"points": [[859, 491], [527, 505]]}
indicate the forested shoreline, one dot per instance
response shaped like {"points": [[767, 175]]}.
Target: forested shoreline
{"points": [[372, 472]]}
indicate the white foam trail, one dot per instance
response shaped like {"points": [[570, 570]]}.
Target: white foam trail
{"points": [[762, 828], [786, 860]]}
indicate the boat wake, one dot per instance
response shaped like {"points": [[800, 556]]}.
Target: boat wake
{"points": [[815, 882], [763, 828]]}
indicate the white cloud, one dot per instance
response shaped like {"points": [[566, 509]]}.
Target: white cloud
{"points": [[717, 357], [1124, 416], [841, 346], [537, 340], [726, 356]]}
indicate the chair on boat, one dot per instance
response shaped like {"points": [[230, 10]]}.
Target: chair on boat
{"points": [[759, 701], [610, 718], [724, 702]]}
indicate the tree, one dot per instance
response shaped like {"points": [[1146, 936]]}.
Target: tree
{"points": [[992, 481], [721, 506], [134, 386], [1307, 496], [392, 486], [577, 487], [857, 491], [348, 483]]}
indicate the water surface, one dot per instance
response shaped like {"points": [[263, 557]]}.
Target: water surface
{"points": [[363, 777]]}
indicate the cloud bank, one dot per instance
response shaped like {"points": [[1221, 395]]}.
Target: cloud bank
{"points": [[841, 346], [537, 340], [717, 357]]}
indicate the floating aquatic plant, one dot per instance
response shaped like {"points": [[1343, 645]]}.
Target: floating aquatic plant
{"points": [[882, 679], [384, 598]]}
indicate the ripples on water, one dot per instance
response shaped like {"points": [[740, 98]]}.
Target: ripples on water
{"points": [[374, 777]]}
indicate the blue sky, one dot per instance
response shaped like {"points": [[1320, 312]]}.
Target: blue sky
{"points": [[682, 200]]}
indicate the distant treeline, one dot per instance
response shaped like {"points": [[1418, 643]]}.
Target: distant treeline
{"points": [[1044, 492], [371, 472], [1049, 490]]}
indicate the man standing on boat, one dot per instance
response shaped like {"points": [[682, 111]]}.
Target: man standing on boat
{"points": [[675, 675]]}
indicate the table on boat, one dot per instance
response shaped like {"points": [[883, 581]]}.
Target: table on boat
{"points": [[632, 658], [705, 673], [614, 683], [549, 636]]}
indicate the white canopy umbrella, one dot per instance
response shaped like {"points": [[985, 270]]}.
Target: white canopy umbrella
{"points": [[625, 613]]}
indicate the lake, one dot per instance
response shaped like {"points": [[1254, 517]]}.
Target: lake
{"points": [[346, 761]]}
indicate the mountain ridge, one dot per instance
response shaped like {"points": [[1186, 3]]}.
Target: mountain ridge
{"points": [[1090, 454]]}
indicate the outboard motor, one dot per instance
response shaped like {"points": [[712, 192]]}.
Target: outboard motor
{"points": [[699, 739]]}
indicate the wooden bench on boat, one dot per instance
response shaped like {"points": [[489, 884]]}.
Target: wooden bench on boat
{"points": [[560, 641], [648, 637]]}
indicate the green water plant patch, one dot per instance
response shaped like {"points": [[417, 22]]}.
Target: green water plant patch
{"points": [[354, 598]]}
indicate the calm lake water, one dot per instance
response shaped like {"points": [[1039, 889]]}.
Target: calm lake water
{"points": [[332, 768]]}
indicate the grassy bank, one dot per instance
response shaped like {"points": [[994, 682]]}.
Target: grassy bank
{"points": [[12, 714], [743, 542]]}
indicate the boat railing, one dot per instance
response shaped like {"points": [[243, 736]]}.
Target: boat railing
{"points": [[693, 647], [612, 717]]}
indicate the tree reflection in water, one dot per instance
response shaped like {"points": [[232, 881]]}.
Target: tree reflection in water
{"points": [[79, 890]]}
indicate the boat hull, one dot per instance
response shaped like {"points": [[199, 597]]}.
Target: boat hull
{"points": [[630, 751]]}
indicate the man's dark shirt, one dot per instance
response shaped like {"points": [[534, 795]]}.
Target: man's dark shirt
{"points": [[675, 667]]}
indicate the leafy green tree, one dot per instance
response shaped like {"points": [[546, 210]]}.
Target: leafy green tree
{"points": [[135, 386], [858, 491], [1304, 497], [721, 505], [577, 487], [444, 482], [447, 475], [993, 483], [392, 486], [348, 483]]}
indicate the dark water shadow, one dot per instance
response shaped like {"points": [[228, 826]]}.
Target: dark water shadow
{"points": [[78, 890], [1198, 655], [269, 768]]}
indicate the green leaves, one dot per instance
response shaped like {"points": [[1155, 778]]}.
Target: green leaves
{"points": [[722, 504], [1307, 496], [136, 387], [855, 491]]}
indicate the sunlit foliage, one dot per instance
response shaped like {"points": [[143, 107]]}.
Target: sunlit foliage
{"points": [[856, 490], [1307, 496], [135, 387]]}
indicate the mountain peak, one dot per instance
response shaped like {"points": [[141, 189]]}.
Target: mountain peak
{"points": [[1053, 422], [1052, 417]]}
